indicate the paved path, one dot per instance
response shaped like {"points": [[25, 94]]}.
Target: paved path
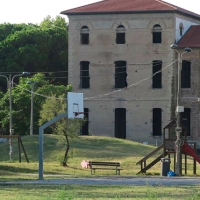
{"points": [[130, 181]]}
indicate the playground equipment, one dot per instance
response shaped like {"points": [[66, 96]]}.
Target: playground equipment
{"points": [[168, 148], [10, 137]]}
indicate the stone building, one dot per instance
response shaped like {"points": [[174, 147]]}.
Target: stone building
{"points": [[120, 59]]}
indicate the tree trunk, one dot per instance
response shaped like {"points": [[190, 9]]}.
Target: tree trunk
{"points": [[66, 152]]}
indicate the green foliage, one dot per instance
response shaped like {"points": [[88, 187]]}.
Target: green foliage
{"points": [[21, 106], [33, 48], [54, 106], [66, 127]]}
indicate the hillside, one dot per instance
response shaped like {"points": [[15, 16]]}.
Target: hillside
{"points": [[82, 148]]}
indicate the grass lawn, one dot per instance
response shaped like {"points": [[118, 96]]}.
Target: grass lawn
{"points": [[128, 153], [61, 192]]}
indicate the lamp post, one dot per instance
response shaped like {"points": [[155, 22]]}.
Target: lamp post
{"points": [[10, 96], [32, 83], [178, 143]]}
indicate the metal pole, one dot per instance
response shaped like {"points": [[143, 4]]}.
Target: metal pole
{"points": [[178, 164], [178, 142], [10, 103], [31, 119]]}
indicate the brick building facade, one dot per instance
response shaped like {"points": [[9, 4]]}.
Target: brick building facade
{"points": [[120, 58]]}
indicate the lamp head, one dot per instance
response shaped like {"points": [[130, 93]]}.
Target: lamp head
{"points": [[26, 74], [187, 49], [174, 46]]}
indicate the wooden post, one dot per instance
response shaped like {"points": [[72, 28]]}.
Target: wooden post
{"points": [[19, 150]]}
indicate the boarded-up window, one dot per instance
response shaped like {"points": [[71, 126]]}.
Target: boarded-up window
{"points": [[157, 34], [120, 35], [84, 35], [157, 122], [84, 74], [120, 74], [186, 74], [185, 120], [120, 123], [85, 127], [157, 78]]}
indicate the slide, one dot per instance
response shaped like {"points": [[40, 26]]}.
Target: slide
{"points": [[187, 149]]}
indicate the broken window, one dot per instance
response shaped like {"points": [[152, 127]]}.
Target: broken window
{"points": [[157, 78], [185, 120], [84, 75], [120, 74], [186, 74], [120, 35], [84, 35], [157, 121], [157, 34], [120, 123], [85, 127]]}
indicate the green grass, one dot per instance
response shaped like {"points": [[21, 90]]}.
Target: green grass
{"points": [[68, 192], [83, 148]]}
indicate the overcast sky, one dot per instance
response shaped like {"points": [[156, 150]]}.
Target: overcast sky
{"points": [[25, 11]]}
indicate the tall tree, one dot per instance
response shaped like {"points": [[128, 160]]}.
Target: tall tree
{"points": [[33, 48]]}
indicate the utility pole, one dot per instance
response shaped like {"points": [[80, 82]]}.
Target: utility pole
{"points": [[11, 130], [179, 109], [32, 83]]}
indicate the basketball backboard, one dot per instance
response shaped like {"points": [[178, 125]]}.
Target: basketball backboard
{"points": [[75, 107]]}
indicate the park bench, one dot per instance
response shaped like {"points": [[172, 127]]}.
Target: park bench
{"points": [[105, 166]]}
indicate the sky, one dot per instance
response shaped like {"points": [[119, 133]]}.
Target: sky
{"points": [[26, 11]]}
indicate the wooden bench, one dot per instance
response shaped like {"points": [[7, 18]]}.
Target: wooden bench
{"points": [[105, 166]]}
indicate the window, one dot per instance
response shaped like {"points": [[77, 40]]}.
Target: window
{"points": [[120, 35], [185, 120], [84, 35], [157, 34], [84, 74], [181, 28], [85, 127], [120, 123], [157, 78], [185, 74], [157, 122], [120, 74]]}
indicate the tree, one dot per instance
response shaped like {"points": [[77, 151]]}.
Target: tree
{"points": [[66, 127], [33, 48], [21, 106]]}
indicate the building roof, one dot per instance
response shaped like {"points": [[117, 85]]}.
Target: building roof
{"points": [[191, 37], [127, 6]]}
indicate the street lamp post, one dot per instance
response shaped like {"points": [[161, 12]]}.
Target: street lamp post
{"points": [[10, 96], [10, 85], [32, 95], [179, 109]]}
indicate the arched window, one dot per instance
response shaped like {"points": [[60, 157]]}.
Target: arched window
{"points": [[120, 35], [84, 35], [157, 34]]}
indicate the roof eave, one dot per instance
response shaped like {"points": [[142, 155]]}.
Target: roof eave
{"points": [[131, 12], [117, 12]]}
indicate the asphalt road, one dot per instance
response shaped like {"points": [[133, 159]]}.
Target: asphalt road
{"points": [[129, 181]]}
